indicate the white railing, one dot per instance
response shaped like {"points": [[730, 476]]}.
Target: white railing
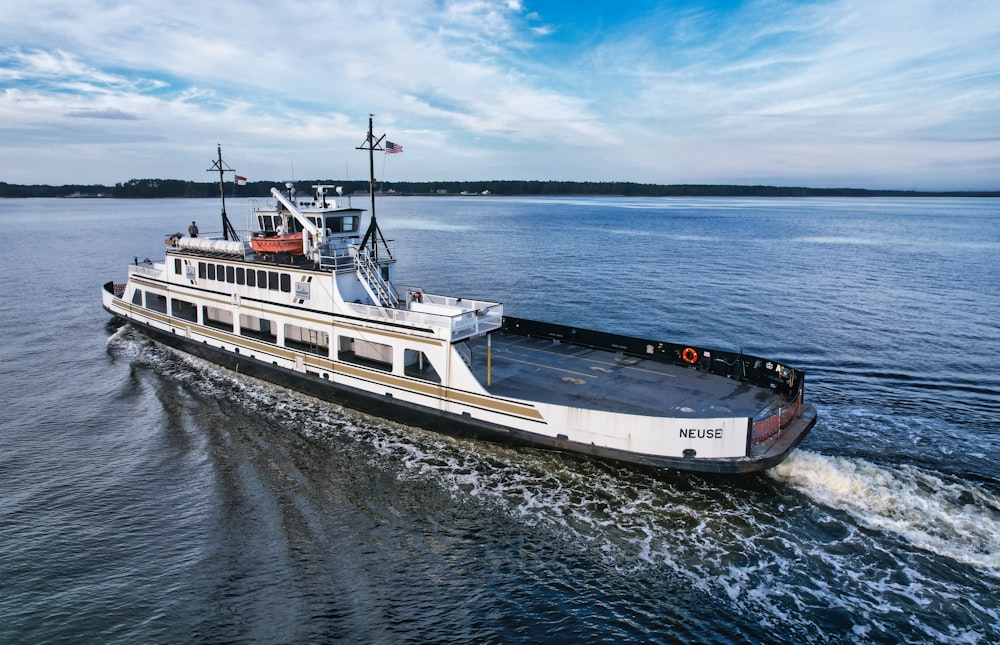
{"points": [[371, 278], [146, 269], [338, 253], [475, 317], [336, 259]]}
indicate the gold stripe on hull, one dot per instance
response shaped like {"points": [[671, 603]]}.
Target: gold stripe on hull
{"points": [[507, 408]]}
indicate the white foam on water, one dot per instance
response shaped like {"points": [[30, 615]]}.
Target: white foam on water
{"points": [[957, 520], [724, 543]]}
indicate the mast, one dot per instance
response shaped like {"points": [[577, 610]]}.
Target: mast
{"points": [[372, 144], [221, 167]]}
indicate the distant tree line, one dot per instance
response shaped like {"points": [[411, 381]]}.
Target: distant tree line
{"points": [[175, 188]]}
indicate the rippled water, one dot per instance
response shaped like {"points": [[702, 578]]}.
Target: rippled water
{"points": [[149, 496]]}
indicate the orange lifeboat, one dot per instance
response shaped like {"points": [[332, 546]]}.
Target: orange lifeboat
{"points": [[290, 244]]}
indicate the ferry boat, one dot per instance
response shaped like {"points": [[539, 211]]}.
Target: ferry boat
{"points": [[325, 316]]}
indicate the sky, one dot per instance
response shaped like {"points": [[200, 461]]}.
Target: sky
{"points": [[893, 94]]}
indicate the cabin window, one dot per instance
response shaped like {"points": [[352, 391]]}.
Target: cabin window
{"points": [[307, 340], [156, 302], [177, 266], [211, 272], [365, 352], [286, 282], [184, 310], [417, 365], [202, 270], [220, 272], [259, 328], [218, 318], [342, 224], [251, 278], [137, 297], [262, 279], [230, 274], [272, 280], [240, 275]]}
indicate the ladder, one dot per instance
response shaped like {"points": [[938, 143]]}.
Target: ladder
{"points": [[371, 278]]}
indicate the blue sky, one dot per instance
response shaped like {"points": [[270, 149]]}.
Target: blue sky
{"points": [[898, 94]]}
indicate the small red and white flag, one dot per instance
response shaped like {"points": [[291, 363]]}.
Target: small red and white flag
{"points": [[241, 181]]}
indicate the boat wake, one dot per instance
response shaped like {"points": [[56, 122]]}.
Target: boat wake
{"points": [[752, 544], [951, 518]]}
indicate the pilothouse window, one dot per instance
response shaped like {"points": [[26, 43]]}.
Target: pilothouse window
{"points": [[342, 223]]}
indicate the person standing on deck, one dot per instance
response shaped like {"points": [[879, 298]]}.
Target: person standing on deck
{"points": [[193, 230]]}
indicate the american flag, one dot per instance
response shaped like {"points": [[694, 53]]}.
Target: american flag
{"points": [[392, 148], [242, 181]]}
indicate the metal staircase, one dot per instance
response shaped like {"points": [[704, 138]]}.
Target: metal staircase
{"points": [[368, 273]]}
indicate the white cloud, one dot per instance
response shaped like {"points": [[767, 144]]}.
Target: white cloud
{"points": [[816, 94]]}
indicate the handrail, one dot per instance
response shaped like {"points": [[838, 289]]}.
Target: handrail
{"points": [[477, 318], [371, 278], [154, 271]]}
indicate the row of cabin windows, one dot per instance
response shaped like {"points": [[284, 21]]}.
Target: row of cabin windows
{"points": [[260, 278], [304, 339]]}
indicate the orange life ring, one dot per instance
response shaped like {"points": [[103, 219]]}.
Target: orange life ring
{"points": [[689, 355]]}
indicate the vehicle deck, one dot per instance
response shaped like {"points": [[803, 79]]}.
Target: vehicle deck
{"points": [[539, 369]]}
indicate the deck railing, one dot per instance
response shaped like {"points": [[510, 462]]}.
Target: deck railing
{"points": [[150, 270], [370, 276], [470, 318]]}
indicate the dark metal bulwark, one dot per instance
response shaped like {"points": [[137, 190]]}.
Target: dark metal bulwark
{"points": [[756, 371]]}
